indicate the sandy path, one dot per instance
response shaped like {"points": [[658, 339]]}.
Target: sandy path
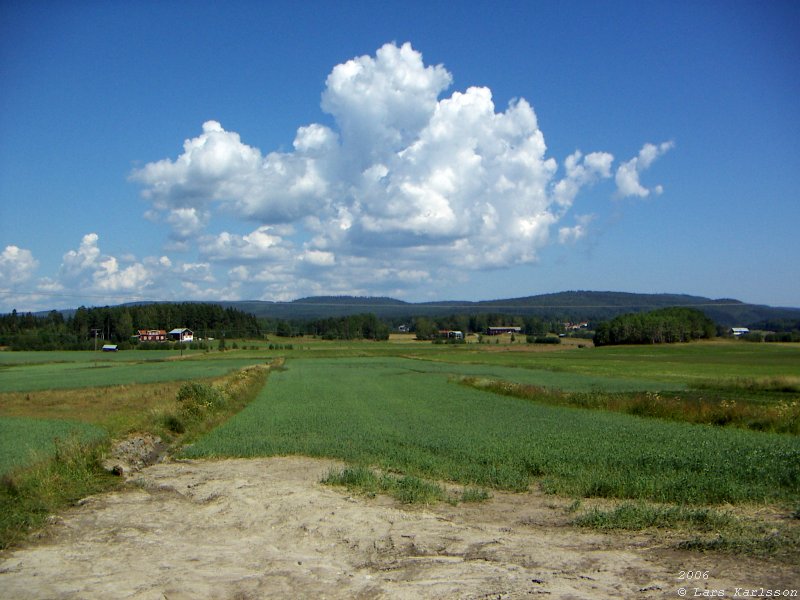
{"points": [[265, 528]]}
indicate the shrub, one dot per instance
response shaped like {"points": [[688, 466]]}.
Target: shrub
{"points": [[543, 339], [198, 398]]}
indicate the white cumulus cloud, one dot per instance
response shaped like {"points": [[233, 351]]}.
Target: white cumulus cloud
{"points": [[263, 243], [17, 265], [408, 180]]}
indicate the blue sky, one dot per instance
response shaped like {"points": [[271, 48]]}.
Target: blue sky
{"points": [[425, 151]]}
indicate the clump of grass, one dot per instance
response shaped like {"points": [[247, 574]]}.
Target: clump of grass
{"points": [[723, 531], [754, 539], [408, 489], [475, 495], [198, 399], [359, 478], [638, 516], [413, 490]]}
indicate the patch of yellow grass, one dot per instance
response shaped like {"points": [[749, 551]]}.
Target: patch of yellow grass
{"points": [[119, 409]]}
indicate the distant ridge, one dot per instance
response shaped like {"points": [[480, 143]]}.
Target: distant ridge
{"points": [[580, 305], [571, 305]]}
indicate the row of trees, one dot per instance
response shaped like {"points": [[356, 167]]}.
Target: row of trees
{"points": [[370, 326], [118, 324], [427, 328], [364, 326], [666, 325]]}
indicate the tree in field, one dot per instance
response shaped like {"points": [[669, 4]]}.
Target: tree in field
{"points": [[424, 328]]}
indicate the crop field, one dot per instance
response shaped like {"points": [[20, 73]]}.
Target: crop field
{"points": [[404, 416], [86, 369], [680, 364], [24, 440]]}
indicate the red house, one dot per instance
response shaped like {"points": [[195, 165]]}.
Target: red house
{"points": [[152, 335]]}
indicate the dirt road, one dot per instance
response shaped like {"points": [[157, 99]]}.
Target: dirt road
{"points": [[265, 528]]}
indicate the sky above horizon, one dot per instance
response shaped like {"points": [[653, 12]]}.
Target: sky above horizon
{"points": [[424, 151]]}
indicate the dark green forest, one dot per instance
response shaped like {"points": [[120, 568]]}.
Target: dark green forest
{"points": [[86, 327], [663, 326]]}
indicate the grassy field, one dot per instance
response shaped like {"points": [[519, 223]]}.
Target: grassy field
{"points": [[681, 364], [124, 368], [27, 440], [393, 414]]}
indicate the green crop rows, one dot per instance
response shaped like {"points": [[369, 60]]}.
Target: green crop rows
{"points": [[406, 416], [23, 440], [86, 373]]}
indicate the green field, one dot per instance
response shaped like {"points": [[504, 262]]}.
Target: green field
{"points": [[87, 369], [24, 441], [398, 406], [407, 416], [680, 364]]}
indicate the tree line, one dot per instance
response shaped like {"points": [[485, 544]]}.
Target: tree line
{"points": [[118, 324], [86, 327], [666, 325]]}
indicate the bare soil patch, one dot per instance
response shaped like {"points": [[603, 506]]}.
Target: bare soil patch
{"points": [[266, 528]]}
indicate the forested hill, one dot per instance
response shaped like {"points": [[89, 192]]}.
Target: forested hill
{"points": [[568, 306]]}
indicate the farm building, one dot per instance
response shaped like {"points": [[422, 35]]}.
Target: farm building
{"points": [[152, 335], [737, 331], [181, 334], [450, 334], [110, 348], [499, 330]]}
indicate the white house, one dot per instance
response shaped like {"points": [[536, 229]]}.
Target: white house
{"points": [[181, 334]]}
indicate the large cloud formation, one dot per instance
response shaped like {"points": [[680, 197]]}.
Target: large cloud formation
{"points": [[407, 183]]}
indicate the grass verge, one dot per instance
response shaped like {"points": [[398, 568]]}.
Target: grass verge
{"points": [[776, 408], [29, 495]]}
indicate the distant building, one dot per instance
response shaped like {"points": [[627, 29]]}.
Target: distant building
{"points": [[110, 348], [152, 335], [181, 334], [450, 334], [499, 330], [737, 331]]}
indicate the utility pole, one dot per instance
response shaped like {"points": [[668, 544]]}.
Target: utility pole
{"points": [[95, 331]]}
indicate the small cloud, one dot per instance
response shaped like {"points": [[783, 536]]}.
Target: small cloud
{"points": [[318, 258], [260, 244], [17, 265], [627, 177], [570, 235]]}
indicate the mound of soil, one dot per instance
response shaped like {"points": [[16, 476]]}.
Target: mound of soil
{"points": [[266, 528], [134, 453]]}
